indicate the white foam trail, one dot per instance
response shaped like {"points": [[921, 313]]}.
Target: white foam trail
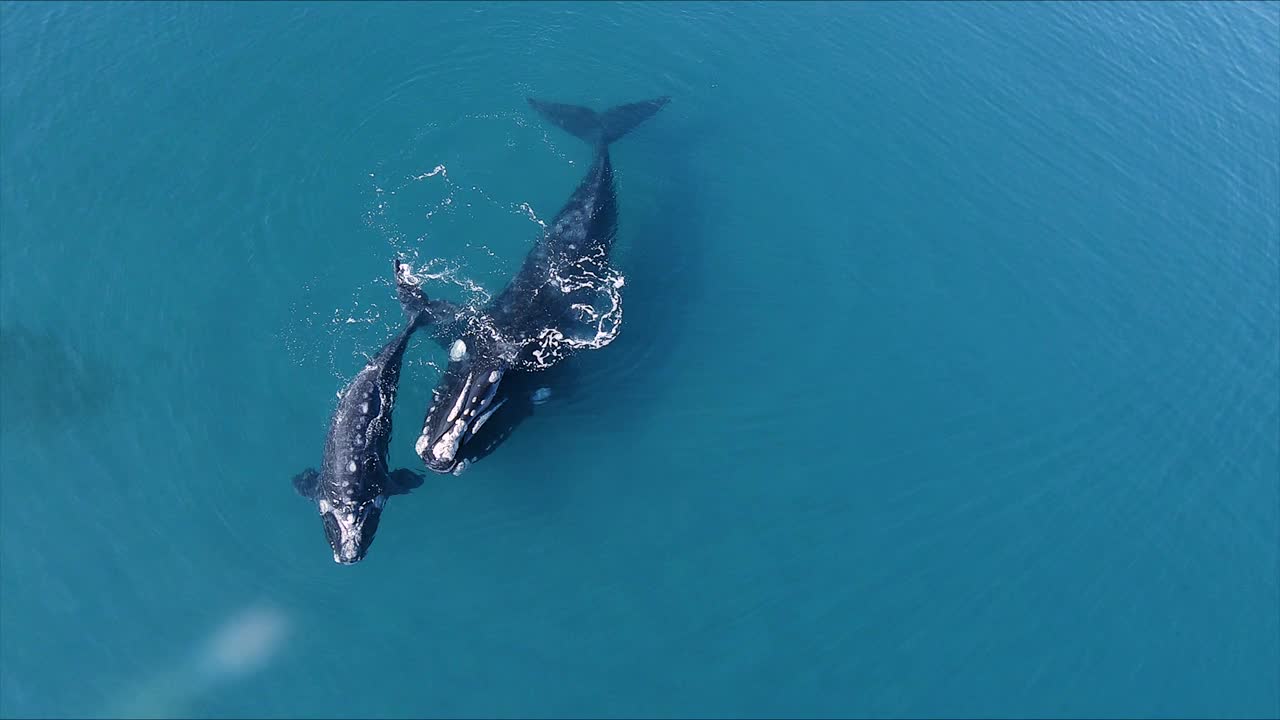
{"points": [[588, 272], [439, 170], [528, 210]]}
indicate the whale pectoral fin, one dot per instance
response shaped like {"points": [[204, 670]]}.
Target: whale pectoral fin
{"points": [[306, 482], [421, 309], [400, 482]]}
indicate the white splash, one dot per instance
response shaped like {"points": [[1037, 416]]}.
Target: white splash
{"points": [[528, 210], [438, 170]]}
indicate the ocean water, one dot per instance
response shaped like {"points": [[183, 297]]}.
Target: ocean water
{"points": [[949, 381]]}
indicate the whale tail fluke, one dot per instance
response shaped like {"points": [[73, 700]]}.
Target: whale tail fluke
{"points": [[599, 128]]}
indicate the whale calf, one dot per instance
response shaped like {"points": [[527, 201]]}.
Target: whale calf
{"points": [[353, 483]]}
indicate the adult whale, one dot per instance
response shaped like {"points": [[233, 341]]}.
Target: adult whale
{"points": [[565, 297], [354, 480]]}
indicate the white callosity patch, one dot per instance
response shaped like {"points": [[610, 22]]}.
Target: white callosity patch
{"points": [[349, 536], [488, 397], [351, 466], [462, 416], [462, 397], [350, 519], [447, 446], [457, 351], [482, 419], [350, 523]]}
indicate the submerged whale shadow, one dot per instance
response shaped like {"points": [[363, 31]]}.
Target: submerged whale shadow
{"points": [[47, 379]]}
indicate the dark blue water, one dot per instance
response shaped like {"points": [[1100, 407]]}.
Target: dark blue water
{"points": [[949, 383]]}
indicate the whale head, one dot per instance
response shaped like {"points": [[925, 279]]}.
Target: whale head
{"points": [[350, 527], [462, 402]]}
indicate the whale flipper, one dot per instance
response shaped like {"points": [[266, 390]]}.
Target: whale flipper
{"points": [[599, 128], [420, 309], [306, 482], [400, 482]]}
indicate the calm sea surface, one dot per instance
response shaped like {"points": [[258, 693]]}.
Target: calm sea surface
{"points": [[949, 383]]}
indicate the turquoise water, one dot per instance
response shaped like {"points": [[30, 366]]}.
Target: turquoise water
{"points": [[949, 383]]}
